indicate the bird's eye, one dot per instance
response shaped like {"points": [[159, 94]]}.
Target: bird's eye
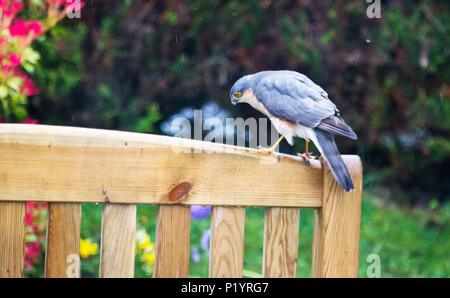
{"points": [[238, 94]]}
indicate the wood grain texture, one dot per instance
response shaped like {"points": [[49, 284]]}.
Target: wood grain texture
{"points": [[68, 164], [337, 251], [117, 248], [172, 241], [12, 233], [63, 239], [280, 250], [227, 242]]}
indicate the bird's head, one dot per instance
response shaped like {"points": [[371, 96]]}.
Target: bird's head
{"points": [[238, 91]]}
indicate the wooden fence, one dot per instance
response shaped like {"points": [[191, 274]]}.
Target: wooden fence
{"points": [[67, 166]]}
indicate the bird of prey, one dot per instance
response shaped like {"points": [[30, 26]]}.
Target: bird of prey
{"points": [[298, 107]]}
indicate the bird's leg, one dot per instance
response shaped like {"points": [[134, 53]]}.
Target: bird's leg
{"points": [[305, 155], [306, 149], [271, 149]]}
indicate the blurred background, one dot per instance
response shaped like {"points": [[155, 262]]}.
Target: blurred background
{"points": [[135, 65]]}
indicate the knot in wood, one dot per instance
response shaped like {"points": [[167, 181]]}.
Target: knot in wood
{"points": [[179, 192]]}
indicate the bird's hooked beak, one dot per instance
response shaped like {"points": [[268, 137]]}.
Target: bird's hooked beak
{"points": [[234, 100]]}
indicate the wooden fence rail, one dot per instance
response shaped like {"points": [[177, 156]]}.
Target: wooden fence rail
{"points": [[67, 166]]}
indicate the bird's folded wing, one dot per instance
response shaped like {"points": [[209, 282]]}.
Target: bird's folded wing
{"points": [[337, 126], [295, 99]]}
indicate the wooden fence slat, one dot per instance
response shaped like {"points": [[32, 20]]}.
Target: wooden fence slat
{"points": [[227, 242], [63, 240], [336, 243], [71, 164], [117, 249], [173, 224], [280, 250], [12, 233]]}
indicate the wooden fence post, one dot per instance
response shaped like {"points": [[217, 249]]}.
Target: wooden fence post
{"points": [[63, 240], [173, 225], [227, 242], [12, 236], [337, 225], [280, 250], [117, 248]]}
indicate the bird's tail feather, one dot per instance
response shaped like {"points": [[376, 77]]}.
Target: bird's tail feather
{"points": [[329, 151]]}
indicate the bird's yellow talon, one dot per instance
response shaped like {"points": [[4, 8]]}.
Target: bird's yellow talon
{"points": [[270, 150], [305, 157]]}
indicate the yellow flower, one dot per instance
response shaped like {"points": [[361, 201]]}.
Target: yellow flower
{"points": [[87, 248], [149, 258], [143, 240], [146, 248], [145, 244]]}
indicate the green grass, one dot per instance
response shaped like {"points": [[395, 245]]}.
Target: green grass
{"points": [[410, 242]]}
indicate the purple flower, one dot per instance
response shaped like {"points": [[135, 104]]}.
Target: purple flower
{"points": [[199, 212], [204, 240], [195, 255]]}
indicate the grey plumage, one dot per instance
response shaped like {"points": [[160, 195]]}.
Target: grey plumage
{"points": [[337, 126], [292, 96], [334, 159]]}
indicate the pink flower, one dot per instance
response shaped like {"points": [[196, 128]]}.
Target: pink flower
{"points": [[4, 4], [28, 218], [19, 28], [27, 264], [6, 69], [16, 6], [28, 87], [32, 252], [74, 5], [8, 13], [14, 59], [30, 121], [35, 26], [34, 224], [30, 204]]}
